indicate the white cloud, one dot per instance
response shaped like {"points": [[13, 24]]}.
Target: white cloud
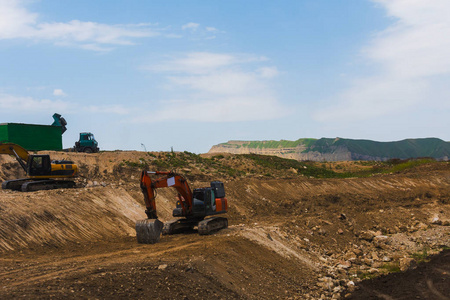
{"points": [[412, 60], [198, 62], [217, 87], [220, 109], [59, 92], [77, 31], [417, 44], [268, 72], [10, 104], [204, 62], [197, 31], [92, 47], [374, 97], [115, 109], [17, 22], [227, 82], [190, 26]]}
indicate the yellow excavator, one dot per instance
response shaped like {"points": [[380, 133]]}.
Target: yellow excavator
{"points": [[42, 173]]}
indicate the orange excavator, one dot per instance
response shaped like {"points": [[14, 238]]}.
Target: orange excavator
{"points": [[192, 207]]}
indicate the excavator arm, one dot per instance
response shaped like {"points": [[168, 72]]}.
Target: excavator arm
{"points": [[17, 151], [169, 179], [148, 231]]}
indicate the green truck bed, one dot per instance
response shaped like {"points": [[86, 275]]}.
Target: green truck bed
{"points": [[32, 137]]}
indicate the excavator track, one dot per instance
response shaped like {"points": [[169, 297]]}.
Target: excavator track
{"points": [[28, 185], [15, 184], [49, 184], [205, 227], [178, 225], [211, 225]]}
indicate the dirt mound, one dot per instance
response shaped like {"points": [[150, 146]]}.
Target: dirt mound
{"points": [[57, 217], [307, 237], [429, 280]]}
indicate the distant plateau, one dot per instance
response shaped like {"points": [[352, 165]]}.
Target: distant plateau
{"points": [[340, 149]]}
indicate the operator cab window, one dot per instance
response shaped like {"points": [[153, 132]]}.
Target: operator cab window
{"points": [[40, 166], [37, 162], [213, 200], [199, 196]]}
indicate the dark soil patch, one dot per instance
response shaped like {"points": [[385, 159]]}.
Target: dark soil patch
{"points": [[430, 280]]}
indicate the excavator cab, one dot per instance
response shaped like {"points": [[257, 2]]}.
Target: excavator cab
{"points": [[204, 202], [39, 165], [198, 207]]}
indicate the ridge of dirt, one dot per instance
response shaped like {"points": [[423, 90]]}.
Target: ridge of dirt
{"points": [[289, 237]]}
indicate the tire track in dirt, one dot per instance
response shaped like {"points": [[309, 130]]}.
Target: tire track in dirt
{"points": [[34, 273]]}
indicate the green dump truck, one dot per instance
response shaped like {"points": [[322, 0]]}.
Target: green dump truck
{"points": [[32, 137]]}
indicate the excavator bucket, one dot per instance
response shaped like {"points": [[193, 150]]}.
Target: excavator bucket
{"points": [[148, 231]]}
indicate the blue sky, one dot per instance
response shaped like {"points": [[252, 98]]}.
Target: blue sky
{"points": [[191, 74]]}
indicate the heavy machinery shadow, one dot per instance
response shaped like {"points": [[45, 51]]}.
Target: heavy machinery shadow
{"points": [[185, 231]]}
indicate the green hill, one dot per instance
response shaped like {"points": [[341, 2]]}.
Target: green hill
{"points": [[340, 149]]}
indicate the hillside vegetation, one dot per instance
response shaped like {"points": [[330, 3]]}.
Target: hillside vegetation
{"points": [[255, 165]]}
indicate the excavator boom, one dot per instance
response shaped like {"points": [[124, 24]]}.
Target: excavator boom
{"points": [[170, 179], [17, 151]]}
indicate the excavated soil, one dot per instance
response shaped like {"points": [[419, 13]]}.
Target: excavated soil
{"points": [[380, 237]]}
